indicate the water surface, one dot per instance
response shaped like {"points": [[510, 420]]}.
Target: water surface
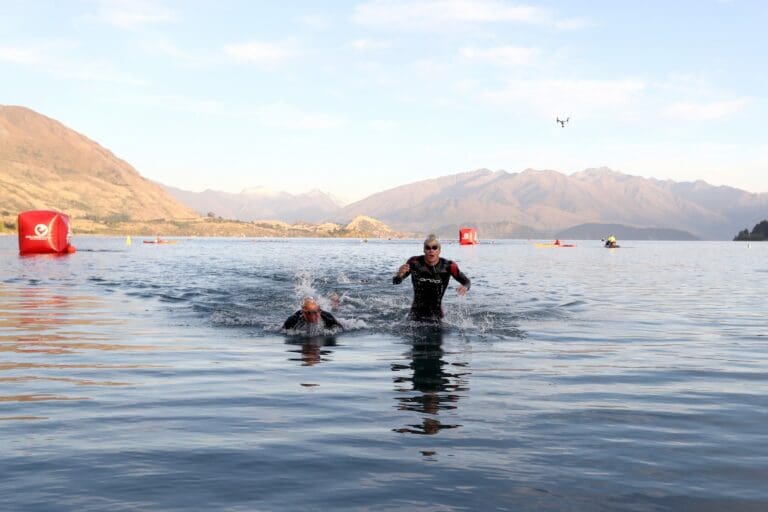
{"points": [[156, 378]]}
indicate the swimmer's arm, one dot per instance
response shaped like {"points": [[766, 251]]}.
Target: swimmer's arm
{"points": [[330, 321], [402, 273], [462, 278], [292, 320]]}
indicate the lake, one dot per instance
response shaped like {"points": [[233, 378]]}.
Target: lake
{"points": [[149, 377]]}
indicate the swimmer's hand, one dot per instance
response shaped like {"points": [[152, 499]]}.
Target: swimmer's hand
{"points": [[404, 269], [461, 290]]}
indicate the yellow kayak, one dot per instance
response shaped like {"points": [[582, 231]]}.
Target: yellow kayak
{"points": [[553, 246]]}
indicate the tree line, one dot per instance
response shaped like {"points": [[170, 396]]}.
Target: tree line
{"points": [[759, 233]]}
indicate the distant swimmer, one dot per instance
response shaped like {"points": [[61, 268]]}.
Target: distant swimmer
{"points": [[562, 122], [430, 275], [310, 315]]}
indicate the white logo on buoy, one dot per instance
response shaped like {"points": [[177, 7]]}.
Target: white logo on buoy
{"points": [[41, 230]]}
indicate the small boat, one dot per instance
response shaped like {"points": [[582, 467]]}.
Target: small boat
{"points": [[554, 246], [160, 241]]}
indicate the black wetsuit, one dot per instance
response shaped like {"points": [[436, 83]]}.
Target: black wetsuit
{"points": [[298, 322], [429, 284]]}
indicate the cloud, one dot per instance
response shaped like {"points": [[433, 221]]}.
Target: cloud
{"points": [[691, 111], [384, 125], [50, 57], [316, 21], [566, 96], [95, 71], [260, 52], [272, 115], [180, 103], [19, 55], [282, 115], [430, 14], [500, 56], [430, 68], [573, 24], [132, 14], [165, 48], [365, 45]]}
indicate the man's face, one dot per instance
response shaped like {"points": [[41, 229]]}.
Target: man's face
{"points": [[311, 313], [432, 251]]}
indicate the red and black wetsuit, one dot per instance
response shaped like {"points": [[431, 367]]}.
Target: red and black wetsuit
{"points": [[429, 284]]}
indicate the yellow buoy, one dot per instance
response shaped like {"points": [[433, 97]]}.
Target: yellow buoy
{"points": [[128, 240]]}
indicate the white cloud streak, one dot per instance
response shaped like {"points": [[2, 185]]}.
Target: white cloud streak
{"points": [[431, 14], [164, 48], [260, 52], [316, 22], [366, 45], [272, 115], [133, 14], [582, 96], [500, 56], [48, 58], [19, 55], [710, 111], [281, 115]]}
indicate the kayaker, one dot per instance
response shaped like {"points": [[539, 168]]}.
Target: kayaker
{"points": [[430, 275]]}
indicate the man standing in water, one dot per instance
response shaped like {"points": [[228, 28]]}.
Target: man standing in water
{"points": [[430, 275]]}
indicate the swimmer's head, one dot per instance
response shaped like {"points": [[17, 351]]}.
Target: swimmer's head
{"points": [[431, 244], [310, 310]]}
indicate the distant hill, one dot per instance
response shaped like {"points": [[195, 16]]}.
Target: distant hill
{"points": [[759, 233], [549, 202], [621, 232], [45, 165], [362, 227], [260, 203], [738, 207]]}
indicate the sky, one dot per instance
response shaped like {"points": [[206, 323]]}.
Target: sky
{"points": [[355, 97]]}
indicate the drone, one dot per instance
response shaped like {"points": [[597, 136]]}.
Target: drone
{"points": [[562, 122]]}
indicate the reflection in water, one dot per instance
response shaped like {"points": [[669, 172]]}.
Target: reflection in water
{"points": [[38, 398], [26, 366], [39, 320], [438, 389], [77, 382], [312, 350], [39, 325]]}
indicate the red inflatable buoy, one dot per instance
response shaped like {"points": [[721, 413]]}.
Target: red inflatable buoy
{"points": [[467, 236], [44, 232]]}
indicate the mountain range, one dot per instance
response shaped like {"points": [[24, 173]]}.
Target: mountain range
{"points": [[529, 204], [546, 203], [44, 164], [259, 203]]}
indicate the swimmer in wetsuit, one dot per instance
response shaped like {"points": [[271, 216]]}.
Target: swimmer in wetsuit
{"points": [[310, 315], [430, 275]]}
